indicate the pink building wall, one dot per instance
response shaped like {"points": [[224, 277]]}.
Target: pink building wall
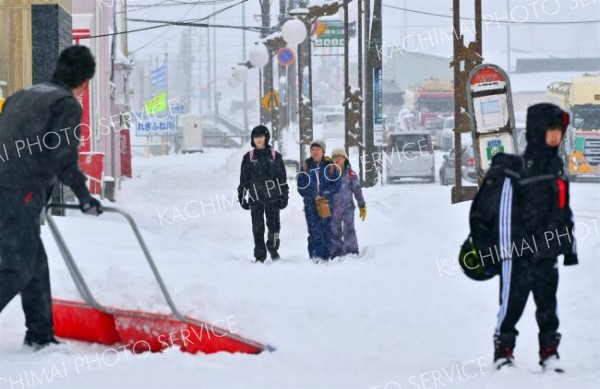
{"points": [[97, 15]]}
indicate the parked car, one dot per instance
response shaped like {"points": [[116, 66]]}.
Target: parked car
{"points": [[410, 155], [445, 138], [321, 110], [468, 167], [333, 125], [521, 139]]}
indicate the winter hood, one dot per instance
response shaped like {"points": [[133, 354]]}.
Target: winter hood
{"points": [[540, 117]]}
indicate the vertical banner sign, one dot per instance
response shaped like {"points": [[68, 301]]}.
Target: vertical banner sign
{"points": [[378, 96], [125, 152], [81, 37]]}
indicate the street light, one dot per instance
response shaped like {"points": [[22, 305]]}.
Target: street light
{"points": [[232, 82], [258, 55], [240, 73], [294, 32]]}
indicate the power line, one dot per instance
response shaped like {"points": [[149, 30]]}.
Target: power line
{"points": [[166, 24], [486, 20], [153, 40]]}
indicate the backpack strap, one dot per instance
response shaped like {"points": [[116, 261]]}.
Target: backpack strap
{"points": [[251, 154]]}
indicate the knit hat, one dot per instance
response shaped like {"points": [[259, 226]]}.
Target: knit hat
{"points": [[339, 151], [320, 143], [258, 131]]}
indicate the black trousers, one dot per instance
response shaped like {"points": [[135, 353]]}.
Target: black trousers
{"points": [[259, 212], [519, 277], [23, 262]]}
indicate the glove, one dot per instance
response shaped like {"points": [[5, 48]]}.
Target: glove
{"points": [[283, 202], [570, 260], [244, 204], [362, 213], [91, 206]]}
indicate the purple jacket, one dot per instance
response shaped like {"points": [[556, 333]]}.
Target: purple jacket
{"points": [[349, 183]]}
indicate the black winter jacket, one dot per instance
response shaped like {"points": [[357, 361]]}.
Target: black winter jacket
{"points": [[39, 139], [263, 177], [522, 208]]}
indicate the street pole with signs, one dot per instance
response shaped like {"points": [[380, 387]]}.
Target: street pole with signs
{"points": [[492, 118]]}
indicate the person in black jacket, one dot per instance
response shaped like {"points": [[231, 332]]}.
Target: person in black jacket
{"points": [[264, 191], [39, 137], [521, 219]]}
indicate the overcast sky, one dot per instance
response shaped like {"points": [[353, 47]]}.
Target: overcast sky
{"points": [[539, 28]]}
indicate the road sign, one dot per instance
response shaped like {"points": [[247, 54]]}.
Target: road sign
{"points": [[491, 111], [330, 33], [151, 126], [270, 100], [285, 56]]}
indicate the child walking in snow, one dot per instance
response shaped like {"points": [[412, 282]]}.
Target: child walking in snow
{"points": [[342, 226]]}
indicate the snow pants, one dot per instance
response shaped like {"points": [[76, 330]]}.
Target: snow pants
{"points": [[343, 234], [520, 276], [260, 211], [23, 262], [319, 232]]}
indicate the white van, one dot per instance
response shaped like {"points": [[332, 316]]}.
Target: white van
{"points": [[409, 155]]}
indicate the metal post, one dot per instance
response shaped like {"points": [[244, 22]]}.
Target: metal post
{"points": [[360, 40], [508, 40], [347, 90], [457, 84]]}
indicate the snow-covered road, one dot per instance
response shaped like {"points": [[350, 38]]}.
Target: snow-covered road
{"points": [[402, 315]]}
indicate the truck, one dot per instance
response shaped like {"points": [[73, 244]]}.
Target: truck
{"points": [[580, 149], [431, 102]]}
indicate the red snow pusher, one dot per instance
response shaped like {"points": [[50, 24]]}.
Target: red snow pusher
{"points": [[136, 330]]}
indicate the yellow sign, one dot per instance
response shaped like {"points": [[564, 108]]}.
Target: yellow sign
{"points": [[270, 100], [320, 28], [157, 104], [1, 104]]}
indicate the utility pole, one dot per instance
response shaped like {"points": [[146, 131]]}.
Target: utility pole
{"points": [[305, 122], [246, 126], [282, 70], [199, 64], [209, 99], [267, 71], [216, 92], [373, 66], [464, 60], [361, 86]]}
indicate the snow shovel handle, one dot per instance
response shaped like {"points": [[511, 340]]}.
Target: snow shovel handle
{"points": [[78, 277]]}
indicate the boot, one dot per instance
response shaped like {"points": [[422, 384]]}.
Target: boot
{"points": [[549, 358], [273, 245], [44, 345], [504, 344]]}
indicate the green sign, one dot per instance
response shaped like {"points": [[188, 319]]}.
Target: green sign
{"points": [[494, 147], [333, 34]]}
